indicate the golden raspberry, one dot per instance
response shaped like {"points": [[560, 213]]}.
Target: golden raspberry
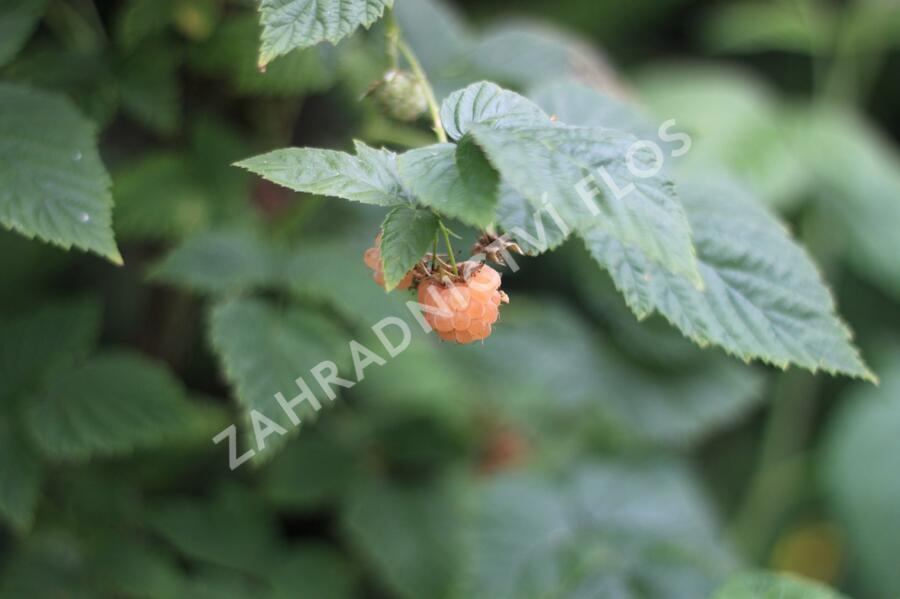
{"points": [[372, 258], [466, 309]]}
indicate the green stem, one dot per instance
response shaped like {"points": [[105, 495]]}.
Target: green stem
{"points": [[434, 251], [449, 246], [782, 463], [393, 38], [433, 108]]}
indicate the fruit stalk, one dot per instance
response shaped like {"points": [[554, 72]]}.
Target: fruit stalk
{"points": [[433, 109]]}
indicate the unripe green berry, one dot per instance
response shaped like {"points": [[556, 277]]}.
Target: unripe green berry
{"points": [[401, 95]]}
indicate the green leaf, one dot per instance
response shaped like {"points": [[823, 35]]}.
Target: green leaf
{"points": [[36, 344], [21, 473], [691, 395], [535, 231], [487, 103], [219, 262], [47, 564], [230, 52], [407, 233], [52, 183], [769, 585], [148, 88], [333, 270], [409, 533], [522, 53], [859, 475], [84, 76], [760, 26], [734, 121], [131, 569], [441, 39], [112, 404], [312, 471], [763, 299], [290, 24], [18, 19], [263, 351], [313, 570], [370, 177], [140, 19], [435, 175], [604, 529], [157, 198], [550, 163], [857, 184], [577, 103], [568, 166], [229, 529]]}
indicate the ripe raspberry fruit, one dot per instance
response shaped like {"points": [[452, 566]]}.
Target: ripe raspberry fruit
{"points": [[465, 309], [372, 258]]}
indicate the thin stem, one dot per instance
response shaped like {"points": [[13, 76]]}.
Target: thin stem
{"points": [[434, 251], [433, 108], [393, 38], [781, 466], [449, 247]]}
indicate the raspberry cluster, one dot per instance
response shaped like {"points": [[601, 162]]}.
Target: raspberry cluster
{"points": [[462, 302], [372, 258], [464, 310]]}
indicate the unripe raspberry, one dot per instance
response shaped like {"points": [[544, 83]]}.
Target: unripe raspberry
{"points": [[372, 258], [401, 95], [466, 310]]}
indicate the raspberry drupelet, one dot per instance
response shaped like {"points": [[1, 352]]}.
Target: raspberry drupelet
{"points": [[466, 309], [372, 258]]}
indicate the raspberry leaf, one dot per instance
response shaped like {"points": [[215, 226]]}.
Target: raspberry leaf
{"points": [[290, 24], [522, 53], [858, 183], [370, 177], [230, 53], [18, 18], [220, 262], [435, 175], [584, 173], [536, 231], [689, 395], [50, 337], [549, 163], [577, 103], [490, 104], [21, 473], [411, 534], [263, 350], [111, 405], [764, 298], [754, 585], [858, 475], [52, 183], [407, 233], [229, 529], [587, 531]]}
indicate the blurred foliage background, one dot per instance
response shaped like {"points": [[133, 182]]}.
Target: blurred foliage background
{"points": [[577, 453]]}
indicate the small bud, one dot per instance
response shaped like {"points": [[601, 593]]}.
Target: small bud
{"points": [[401, 95]]}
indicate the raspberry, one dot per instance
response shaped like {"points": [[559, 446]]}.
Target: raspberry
{"points": [[372, 258], [402, 95], [467, 308]]}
